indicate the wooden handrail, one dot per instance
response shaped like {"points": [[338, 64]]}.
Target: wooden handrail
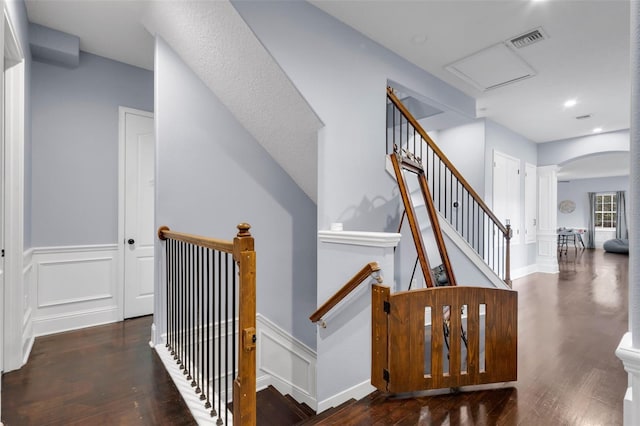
{"points": [[189, 289], [221, 245], [393, 98], [354, 282]]}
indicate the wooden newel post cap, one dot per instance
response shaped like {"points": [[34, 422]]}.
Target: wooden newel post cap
{"points": [[243, 230], [161, 230]]}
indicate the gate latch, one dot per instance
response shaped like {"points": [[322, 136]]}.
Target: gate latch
{"points": [[249, 338]]}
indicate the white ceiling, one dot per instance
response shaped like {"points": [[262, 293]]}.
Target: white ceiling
{"points": [[586, 56], [107, 28], [596, 166]]}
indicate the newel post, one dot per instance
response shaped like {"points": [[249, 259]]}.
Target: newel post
{"points": [[244, 386], [507, 261]]}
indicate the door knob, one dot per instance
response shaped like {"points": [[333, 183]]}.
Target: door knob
{"points": [[131, 241]]}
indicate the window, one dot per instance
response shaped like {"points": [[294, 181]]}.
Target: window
{"points": [[605, 211]]}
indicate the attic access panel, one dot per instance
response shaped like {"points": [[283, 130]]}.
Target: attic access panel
{"points": [[490, 68]]}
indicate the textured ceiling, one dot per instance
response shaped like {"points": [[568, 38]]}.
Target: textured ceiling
{"points": [[221, 49]]}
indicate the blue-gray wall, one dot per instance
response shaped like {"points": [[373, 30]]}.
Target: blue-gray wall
{"points": [[343, 75], [74, 160], [577, 191], [212, 174], [18, 16], [465, 146]]}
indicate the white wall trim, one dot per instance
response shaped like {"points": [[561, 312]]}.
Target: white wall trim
{"points": [[28, 297], [13, 131], [524, 271], [356, 238], [75, 320], [356, 392], [38, 251], [285, 363], [72, 287], [630, 358]]}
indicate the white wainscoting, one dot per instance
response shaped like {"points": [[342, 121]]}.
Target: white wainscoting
{"points": [[282, 362], [73, 287], [285, 363]]}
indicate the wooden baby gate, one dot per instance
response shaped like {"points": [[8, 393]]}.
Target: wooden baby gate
{"points": [[475, 348]]}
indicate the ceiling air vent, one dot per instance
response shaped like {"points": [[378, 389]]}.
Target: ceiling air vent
{"points": [[528, 38], [582, 117]]}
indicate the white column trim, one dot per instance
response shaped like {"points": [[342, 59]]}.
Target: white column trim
{"points": [[630, 358], [14, 206]]}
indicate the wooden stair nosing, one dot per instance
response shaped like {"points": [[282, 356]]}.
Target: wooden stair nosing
{"points": [[331, 414], [298, 408], [274, 409]]}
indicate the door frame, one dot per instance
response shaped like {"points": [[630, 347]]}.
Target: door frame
{"points": [[12, 134], [122, 112]]}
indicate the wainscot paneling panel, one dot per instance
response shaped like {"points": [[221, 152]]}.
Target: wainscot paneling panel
{"points": [[74, 287]]}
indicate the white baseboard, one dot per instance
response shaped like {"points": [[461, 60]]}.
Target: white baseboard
{"points": [[285, 363], [547, 267], [74, 320], [73, 287], [523, 272], [356, 392], [27, 336]]}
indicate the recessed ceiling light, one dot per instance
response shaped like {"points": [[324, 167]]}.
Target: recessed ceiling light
{"points": [[570, 103], [419, 38], [597, 130]]}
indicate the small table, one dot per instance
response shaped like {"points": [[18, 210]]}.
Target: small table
{"points": [[566, 234]]}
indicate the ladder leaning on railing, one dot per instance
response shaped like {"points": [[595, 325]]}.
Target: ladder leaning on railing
{"points": [[211, 319], [452, 195]]}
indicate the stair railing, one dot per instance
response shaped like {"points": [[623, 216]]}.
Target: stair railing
{"points": [[211, 319], [368, 270], [453, 196]]}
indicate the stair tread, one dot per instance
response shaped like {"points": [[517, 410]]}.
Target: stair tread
{"points": [[297, 407], [273, 409], [331, 416], [303, 408]]}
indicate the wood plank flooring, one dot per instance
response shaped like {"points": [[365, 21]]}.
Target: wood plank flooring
{"points": [[568, 329], [569, 326], [106, 375]]}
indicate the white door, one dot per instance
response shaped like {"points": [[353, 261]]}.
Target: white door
{"points": [[138, 218], [506, 191]]}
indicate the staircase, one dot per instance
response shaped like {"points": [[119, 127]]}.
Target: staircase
{"points": [[451, 203], [275, 409]]}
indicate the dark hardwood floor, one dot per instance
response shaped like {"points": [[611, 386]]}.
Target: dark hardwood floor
{"points": [[568, 329], [106, 375], [569, 326]]}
